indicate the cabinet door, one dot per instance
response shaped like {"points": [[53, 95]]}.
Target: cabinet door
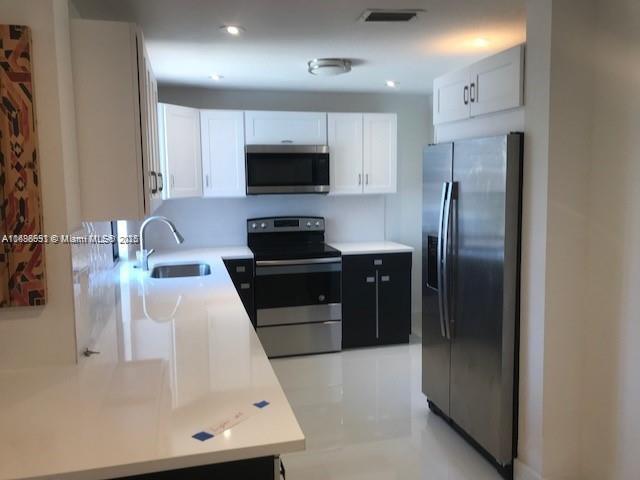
{"points": [[275, 128], [496, 82], [451, 97], [359, 305], [223, 153], [380, 152], [155, 164], [241, 273], [395, 305], [145, 82], [345, 152], [184, 162]]}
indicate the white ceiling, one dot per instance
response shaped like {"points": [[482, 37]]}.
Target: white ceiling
{"points": [[186, 45]]}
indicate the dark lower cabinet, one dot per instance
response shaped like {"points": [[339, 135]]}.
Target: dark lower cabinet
{"points": [[263, 468], [241, 273], [358, 306], [376, 299]]}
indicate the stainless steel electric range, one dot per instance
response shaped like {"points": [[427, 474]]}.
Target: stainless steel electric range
{"points": [[297, 286]]}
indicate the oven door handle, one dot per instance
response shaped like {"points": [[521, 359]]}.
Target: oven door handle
{"points": [[306, 261], [266, 268]]}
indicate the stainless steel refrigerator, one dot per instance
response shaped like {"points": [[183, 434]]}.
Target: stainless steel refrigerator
{"points": [[470, 294]]}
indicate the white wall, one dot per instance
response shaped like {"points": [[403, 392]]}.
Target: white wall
{"points": [[579, 384], [219, 221], [611, 438], [46, 335], [396, 217], [534, 232], [555, 230], [567, 231]]}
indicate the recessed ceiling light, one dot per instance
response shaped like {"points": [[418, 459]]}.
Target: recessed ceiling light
{"points": [[329, 66], [216, 77], [391, 83], [480, 42], [232, 29]]}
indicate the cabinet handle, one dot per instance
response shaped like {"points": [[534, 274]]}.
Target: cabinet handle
{"points": [[359, 179], [154, 184], [245, 286], [161, 187], [377, 307], [366, 179], [286, 141], [377, 261], [206, 180], [241, 269], [371, 280], [173, 181], [472, 92], [465, 95], [385, 278]]}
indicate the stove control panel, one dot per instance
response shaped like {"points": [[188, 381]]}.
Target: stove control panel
{"points": [[285, 224]]}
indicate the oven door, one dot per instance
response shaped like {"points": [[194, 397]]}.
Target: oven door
{"points": [[276, 169], [298, 291]]}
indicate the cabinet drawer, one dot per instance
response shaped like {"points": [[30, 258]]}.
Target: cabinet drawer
{"points": [[382, 261]]}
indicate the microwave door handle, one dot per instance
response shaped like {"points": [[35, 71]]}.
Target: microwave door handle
{"points": [[439, 259]]}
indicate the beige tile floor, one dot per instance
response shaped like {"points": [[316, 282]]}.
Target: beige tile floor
{"points": [[364, 417]]}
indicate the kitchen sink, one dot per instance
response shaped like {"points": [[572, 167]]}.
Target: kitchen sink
{"points": [[180, 270]]}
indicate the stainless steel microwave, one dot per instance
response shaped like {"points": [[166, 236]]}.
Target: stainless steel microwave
{"points": [[277, 169]]}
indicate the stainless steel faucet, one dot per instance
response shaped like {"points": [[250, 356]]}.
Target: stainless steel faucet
{"points": [[144, 253]]}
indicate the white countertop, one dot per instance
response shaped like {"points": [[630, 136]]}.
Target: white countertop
{"points": [[179, 357], [364, 248]]}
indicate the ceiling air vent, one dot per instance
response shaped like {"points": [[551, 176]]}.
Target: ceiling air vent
{"points": [[394, 15]]}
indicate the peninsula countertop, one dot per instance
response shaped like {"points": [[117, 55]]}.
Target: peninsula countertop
{"points": [[179, 357], [366, 248]]}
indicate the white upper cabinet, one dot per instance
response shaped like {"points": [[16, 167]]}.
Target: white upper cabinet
{"points": [[115, 98], [496, 82], [380, 149], [150, 125], [451, 97], [276, 128], [182, 151], [223, 165], [491, 85], [345, 139]]}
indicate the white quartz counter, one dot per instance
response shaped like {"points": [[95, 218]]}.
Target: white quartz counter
{"points": [[364, 248], [180, 357]]}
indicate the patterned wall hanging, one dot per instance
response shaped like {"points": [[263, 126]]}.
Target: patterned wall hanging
{"points": [[22, 268]]}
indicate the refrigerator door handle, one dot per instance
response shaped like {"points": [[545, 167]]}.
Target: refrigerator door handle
{"points": [[446, 227], [440, 258]]}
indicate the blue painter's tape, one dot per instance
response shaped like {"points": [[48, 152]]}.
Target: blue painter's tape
{"points": [[202, 436], [261, 404]]}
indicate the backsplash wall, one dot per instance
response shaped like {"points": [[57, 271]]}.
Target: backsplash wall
{"points": [[219, 221], [93, 286]]}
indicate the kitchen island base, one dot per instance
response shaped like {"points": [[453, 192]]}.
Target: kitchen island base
{"points": [[262, 468]]}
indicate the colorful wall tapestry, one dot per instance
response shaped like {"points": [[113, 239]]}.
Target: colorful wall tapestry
{"points": [[22, 267]]}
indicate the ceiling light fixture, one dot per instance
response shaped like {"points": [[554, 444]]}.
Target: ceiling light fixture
{"points": [[234, 30], [329, 66], [216, 77], [480, 42], [391, 83]]}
